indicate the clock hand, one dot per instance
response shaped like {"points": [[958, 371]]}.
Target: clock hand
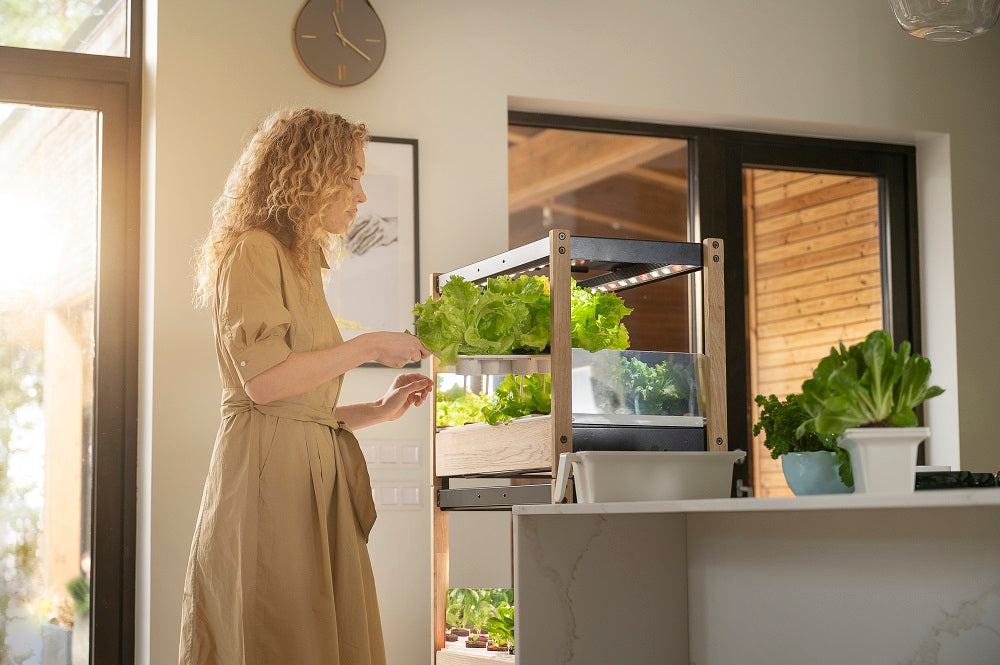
{"points": [[351, 44], [347, 42], [339, 32]]}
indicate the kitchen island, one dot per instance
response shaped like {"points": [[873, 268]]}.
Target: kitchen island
{"points": [[821, 579]]}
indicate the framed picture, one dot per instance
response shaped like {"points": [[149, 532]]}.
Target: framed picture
{"points": [[375, 286]]}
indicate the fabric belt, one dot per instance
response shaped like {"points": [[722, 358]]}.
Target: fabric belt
{"points": [[355, 467]]}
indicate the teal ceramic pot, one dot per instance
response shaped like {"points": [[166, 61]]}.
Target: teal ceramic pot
{"points": [[813, 473]]}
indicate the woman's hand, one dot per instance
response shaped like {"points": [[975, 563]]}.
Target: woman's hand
{"points": [[394, 349], [406, 390]]}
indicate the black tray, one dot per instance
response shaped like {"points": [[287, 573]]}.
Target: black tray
{"points": [[949, 480]]}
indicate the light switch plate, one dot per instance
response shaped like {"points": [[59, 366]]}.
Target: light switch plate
{"points": [[391, 453], [397, 496]]}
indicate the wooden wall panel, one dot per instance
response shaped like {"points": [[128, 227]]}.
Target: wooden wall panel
{"points": [[814, 280]]}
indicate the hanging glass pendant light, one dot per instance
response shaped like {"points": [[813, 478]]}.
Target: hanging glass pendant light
{"points": [[946, 20]]}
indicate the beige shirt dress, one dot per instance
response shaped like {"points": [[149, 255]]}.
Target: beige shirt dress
{"points": [[279, 572]]}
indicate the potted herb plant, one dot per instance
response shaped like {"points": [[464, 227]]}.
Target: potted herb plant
{"points": [[812, 464], [865, 396]]}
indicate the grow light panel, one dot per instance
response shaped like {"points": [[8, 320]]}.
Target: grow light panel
{"points": [[644, 261], [630, 276]]}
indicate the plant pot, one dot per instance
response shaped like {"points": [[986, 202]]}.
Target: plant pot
{"points": [[813, 473], [81, 638], [883, 459], [55, 645]]}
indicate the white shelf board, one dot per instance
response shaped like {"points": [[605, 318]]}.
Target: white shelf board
{"points": [[465, 656], [959, 498]]}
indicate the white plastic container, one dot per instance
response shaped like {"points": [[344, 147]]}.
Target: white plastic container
{"points": [[499, 365], [611, 475]]}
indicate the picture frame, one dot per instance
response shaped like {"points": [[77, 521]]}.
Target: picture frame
{"points": [[375, 285]]}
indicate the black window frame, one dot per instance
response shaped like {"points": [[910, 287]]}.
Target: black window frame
{"points": [[716, 159]]}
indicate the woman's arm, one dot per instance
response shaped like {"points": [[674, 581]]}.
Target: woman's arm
{"points": [[305, 370], [406, 390]]}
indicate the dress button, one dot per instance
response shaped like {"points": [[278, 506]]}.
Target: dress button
{"points": [[243, 363]]}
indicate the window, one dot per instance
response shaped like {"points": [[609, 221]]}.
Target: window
{"points": [[78, 26], [614, 185], [68, 321], [820, 239]]}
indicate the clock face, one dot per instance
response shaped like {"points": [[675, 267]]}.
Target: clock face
{"points": [[340, 41]]}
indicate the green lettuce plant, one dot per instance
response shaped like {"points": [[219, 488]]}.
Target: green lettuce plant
{"points": [[869, 384], [662, 389], [456, 407], [473, 608], [866, 385], [512, 315], [518, 396], [595, 317], [501, 627], [459, 605]]}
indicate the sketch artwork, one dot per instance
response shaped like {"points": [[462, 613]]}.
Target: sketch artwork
{"points": [[374, 287]]}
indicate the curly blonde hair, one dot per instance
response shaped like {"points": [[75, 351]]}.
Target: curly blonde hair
{"points": [[297, 163]]}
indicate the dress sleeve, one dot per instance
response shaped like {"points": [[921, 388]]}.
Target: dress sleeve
{"points": [[253, 318]]}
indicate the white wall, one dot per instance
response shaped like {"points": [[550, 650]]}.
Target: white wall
{"points": [[452, 69]]}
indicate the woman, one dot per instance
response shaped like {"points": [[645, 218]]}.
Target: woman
{"points": [[279, 569]]}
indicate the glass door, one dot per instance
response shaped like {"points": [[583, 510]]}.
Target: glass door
{"points": [[49, 192], [814, 278], [822, 248]]}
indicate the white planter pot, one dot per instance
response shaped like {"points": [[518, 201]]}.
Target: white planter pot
{"points": [[883, 459], [81, 639]]}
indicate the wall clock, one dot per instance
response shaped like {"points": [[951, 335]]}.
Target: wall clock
{"points": [[340, 41]]}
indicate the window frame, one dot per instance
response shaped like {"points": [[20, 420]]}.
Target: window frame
{"points": [[110, 85], [716, 158]]}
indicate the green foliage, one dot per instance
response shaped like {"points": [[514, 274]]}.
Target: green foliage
{"points": [[663, 389], [501, 627], [79, 591], [512, 315], [781, 421], [596, 318], [41, 23], [473, 608], [456, 407], [518, 396], [457, 606], [866, 385]]}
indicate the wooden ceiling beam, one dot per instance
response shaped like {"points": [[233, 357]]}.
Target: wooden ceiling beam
{"points": [[615, 222], [554, 162], [669, 180], [515, 138]]}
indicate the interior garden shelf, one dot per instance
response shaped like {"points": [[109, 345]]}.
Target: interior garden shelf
{"points": [[528, 448]]}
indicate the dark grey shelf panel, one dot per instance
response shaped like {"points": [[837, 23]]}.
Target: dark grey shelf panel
{"points": [[617, 259], [493, 498]]}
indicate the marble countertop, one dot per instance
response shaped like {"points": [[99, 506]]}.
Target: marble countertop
{"points": [[921, 499]]}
